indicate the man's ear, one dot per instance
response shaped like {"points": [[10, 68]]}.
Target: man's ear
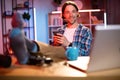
{"points": [[63, 17], [78, 14]]}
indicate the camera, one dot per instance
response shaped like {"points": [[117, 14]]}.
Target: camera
{"points": [[59, 30]]}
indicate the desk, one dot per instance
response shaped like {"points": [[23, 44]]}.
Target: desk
{"points": [[57, 71]]}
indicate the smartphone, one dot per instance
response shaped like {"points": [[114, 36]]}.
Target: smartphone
{"points": [[55, 32]]}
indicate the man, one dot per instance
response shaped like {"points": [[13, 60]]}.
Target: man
{"points": [[75, 34]]}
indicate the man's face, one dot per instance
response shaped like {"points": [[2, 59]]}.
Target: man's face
{"points": [[70, 14]]}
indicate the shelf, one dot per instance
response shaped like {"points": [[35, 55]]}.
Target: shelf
{"points": [[7, 16], [22, 8], [92, 24], [89, 18], [28, 15], [88, 10], [28, 27], [55, 25]]}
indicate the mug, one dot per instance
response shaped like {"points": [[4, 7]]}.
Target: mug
{"points": [[72, 53]]}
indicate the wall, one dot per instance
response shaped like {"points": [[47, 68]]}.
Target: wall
{"points": [[43, 7], [113, 11], [111, 7]]}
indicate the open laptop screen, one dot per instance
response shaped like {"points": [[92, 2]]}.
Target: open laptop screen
{"points": [[105, 53]]}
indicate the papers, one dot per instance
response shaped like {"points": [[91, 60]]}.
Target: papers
{"points": [[81, 63]]}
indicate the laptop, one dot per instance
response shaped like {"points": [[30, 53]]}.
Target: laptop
{"points": [[105, 52]]}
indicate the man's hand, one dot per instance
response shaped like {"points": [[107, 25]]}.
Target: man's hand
{"points": [[60, 39]]}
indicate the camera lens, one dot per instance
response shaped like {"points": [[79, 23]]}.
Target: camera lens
{"points": [[60, 30]]}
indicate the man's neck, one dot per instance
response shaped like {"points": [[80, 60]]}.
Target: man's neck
{"points": [[72, 25]]}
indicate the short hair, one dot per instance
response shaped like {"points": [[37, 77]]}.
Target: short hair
{"points": [[66, 4]]}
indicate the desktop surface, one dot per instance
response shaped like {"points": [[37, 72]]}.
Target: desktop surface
{"points": [[58, 71]]}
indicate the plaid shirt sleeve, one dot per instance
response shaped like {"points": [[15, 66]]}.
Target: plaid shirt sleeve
{"points": [[83, 39]]}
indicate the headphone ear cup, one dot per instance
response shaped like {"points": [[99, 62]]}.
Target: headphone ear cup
{"points": [[63, 17], [78, 15]]}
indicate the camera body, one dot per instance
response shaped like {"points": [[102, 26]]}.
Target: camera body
{"points": [[59, 30]]}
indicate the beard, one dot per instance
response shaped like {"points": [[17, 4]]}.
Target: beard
{"points": [[71, 20]]}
